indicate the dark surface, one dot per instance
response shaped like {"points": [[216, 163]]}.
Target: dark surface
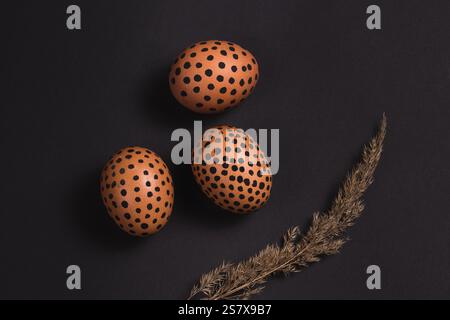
{"points": [[69, 99]]}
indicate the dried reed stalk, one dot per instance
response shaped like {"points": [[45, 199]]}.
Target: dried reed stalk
{"points": [[324, 237]]}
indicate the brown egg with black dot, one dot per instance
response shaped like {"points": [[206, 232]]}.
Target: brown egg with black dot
{"points": [[232, 170], [137, 190], [213, 76]]}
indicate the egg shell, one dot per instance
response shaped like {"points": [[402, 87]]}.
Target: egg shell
{"points": [[213, 76], [137, 190], [233, 172]]}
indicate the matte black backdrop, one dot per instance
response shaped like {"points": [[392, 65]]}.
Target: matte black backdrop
{"points": [[69, 99]]}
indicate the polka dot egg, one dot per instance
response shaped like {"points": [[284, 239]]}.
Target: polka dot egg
{"points": [[137, 190], [213, 76], [232, 170]]}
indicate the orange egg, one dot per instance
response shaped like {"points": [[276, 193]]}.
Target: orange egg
{"points": [[234, 172], [213, 76], [137, 190]]}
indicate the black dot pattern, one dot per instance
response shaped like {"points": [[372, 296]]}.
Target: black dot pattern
{"points": [[224, 71], [233, 171], [137, 190]]}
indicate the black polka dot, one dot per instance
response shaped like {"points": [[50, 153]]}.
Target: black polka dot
{"points": [[197, 78], [186, 80], [223, 90], [187, 65], [219, 78], [221, 65], [208, 72], [210, 58]]}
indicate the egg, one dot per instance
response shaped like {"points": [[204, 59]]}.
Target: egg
{"points": [[213, 76], [137, 190], [232, 170]]}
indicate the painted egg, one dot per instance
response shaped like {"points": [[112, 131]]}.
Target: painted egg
{"points": [[137, 190], [213, 76], [232, 170]]}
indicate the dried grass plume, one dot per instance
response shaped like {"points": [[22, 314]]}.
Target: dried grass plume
{"points": [[324, 237]]}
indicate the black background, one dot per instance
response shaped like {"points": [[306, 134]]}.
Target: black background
{"points": [[69, 99]]}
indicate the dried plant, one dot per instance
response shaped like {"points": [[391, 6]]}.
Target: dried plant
{"points": [[324, 237]]}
